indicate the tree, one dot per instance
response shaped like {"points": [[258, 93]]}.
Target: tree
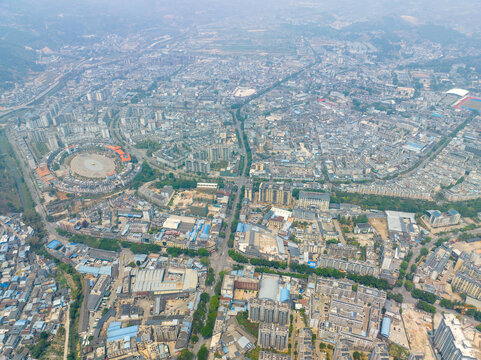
{"points": [[202, 252], [424, 295], [204, 297], [40, 346], [395, 296], [446, 303], [203, 353], [205, 261], [209, 280], [423, 305], [408, 285], [185, 355]]}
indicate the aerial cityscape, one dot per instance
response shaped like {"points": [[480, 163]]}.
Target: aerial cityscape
{"points": [[273, 180]]}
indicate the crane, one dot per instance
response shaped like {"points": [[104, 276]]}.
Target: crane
{"points": [[465, 307]]}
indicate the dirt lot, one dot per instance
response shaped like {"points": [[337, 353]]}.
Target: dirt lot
{"points": [[417, 326], [182, 200], [380, 225], [364, 239], [178, 306], [241, 294], [398, 335], [474, 247]]}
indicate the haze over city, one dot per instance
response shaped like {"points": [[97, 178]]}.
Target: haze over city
{"points": [[263, 180]]}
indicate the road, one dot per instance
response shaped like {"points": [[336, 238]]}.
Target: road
{"points": [[76, 67], [339, 231], [67, 333], [431, 153], [222, 258], [45, 92], [37, 198], [35, 194]]}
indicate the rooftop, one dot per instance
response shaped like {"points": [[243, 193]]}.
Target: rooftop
{"points": [[460, 341]]}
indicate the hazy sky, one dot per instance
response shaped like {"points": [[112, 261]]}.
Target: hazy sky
{"points": [[114, 15]]}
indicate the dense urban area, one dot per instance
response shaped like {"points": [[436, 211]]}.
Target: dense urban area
{"points": [[295, 185]]}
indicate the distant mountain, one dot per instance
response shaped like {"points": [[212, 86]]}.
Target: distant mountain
{"points": [[15, 62], [53, 23], [29, 25]]}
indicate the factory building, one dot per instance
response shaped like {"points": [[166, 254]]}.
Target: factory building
{"points": [[163, 281]]}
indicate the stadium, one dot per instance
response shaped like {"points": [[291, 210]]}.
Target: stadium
{"points": [[463, 100], [88, 168]]}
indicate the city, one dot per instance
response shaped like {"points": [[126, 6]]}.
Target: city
{"points": [[278, 181]]}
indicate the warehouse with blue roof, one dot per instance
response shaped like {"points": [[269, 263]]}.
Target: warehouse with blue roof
{"points": [[242, 227], [115, 332], [54, 245], [205, 232], [386, 327], [285, 295], [96, 271]]}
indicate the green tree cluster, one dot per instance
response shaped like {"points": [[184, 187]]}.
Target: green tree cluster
{"points": [[206, 331], [424, 295], [423, 305], [396, 297], [199, 314], [210, 277]]}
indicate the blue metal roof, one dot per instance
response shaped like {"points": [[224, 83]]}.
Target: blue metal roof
{"points": [[123, 333], [386, 327], [20, 323], [114, 325], [140, 257], [104, 270], [285, 295], [206, 229], [240, 227], [53, 244]]}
